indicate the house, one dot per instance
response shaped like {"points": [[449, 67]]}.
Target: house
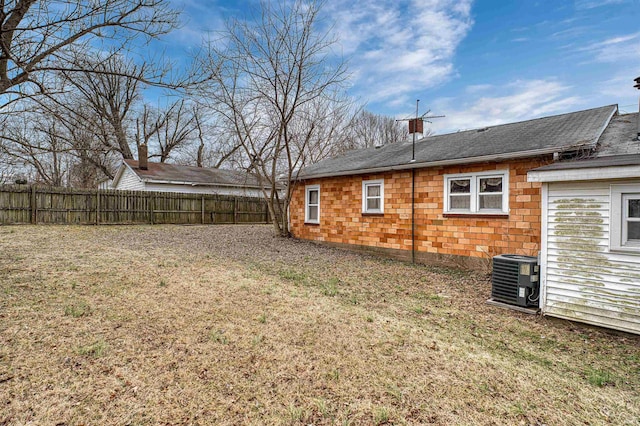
{"points": [[457, 198], [162, 177], [105, 183], [590, 251]]}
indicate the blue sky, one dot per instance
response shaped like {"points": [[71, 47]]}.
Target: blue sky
{"points": [[479, 63]]}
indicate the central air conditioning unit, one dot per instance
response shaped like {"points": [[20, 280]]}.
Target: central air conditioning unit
{"points": [[515, 280]]}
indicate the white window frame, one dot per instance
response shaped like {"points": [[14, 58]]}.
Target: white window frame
{"points": [[307, 190], [475, 195], [365, 185], [620, 195]]}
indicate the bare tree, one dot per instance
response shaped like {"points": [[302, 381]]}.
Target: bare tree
{"points": [[108, 90], [37, 37], [60, 140], [176, 126], [325, 128], [8, 169], [99, 119], [216, 145], [369, 129], [264, 73], [33, 142]]}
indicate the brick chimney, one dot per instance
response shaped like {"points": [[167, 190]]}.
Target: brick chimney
{"points": [[143, 163]]}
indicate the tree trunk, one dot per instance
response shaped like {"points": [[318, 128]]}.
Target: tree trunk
{"points": [[274, 216], [200, 159], [121, 137]]}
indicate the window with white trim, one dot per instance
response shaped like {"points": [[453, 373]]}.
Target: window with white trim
{"points": [[373, 196], [625, 218], [312, 204], [477, 193]]}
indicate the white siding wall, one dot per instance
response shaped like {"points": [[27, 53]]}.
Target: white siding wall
{"points": [[129, 181], [221, 190], [105, 184], [583, 279]]}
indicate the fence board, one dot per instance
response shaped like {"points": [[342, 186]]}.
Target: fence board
{"points": [[21, 204]]}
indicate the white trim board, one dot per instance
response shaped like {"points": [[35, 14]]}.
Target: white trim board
{"points": [[595, 173]]}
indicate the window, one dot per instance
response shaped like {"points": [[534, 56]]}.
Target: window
{"points": [[373, 196], [312, 202], [478, 193], [625, 218]]}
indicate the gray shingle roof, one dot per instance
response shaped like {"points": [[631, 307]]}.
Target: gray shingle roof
{"points": [[618, 146], [620, 137], [515, 140], [193, 175]]}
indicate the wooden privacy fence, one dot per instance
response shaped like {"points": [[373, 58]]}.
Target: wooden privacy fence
{"points": [[37, 204]]}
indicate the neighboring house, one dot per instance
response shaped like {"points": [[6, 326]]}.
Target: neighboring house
{"points": [[590, 257], [464, 199], [164, 177], [105, 183]]}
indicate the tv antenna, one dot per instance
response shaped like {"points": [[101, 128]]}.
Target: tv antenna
{"points": [[416, 125]]}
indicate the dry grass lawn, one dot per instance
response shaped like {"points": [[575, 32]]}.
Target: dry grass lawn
{"points": [[227, 325]]}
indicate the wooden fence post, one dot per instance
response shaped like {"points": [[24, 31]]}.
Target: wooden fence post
{"points": [[34, 206], [202, 208], [235, 209], [67, 205], [98, 207], [152, 201]]}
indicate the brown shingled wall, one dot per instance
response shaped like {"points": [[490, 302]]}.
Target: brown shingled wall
{"points": [[466, 240]]}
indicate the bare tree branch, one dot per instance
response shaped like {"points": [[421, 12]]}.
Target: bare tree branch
{"points": [[265, 75], [37, 37]]}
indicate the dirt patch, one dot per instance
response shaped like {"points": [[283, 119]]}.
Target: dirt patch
{"points": [[230, 325]]}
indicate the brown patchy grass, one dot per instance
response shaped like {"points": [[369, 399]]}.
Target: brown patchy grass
{"points": [[229, 325]]}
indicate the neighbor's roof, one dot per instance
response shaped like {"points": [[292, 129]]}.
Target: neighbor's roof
{"points": [[618, 146], [189, 175], [546, 135]]}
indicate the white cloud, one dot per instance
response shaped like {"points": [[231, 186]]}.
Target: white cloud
{"points": [[476, 88], [399, 48], [619, 89], [615, 49], [615, 41], [591, 4], [199, 20], [517, 101]]}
